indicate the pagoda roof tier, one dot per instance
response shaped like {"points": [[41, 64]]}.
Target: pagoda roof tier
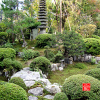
{"points": [[43, 23], [42, 17], [42, 11], [42, 6], [42, 14], [42, 20], [42, 26]]}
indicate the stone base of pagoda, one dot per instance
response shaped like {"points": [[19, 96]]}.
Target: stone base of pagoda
{"points": [[42, 31]]}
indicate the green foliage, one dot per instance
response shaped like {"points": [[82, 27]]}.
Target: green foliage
{"points": [[73, 43], [3, 34], [40, 63], [95, 36], [18, 81], [49, 54], [2, 27], [80, 65], [72, 87], [9, 64], [43, 40], [98, 66], [29, 54], [7, 53], [60, 96], [92, 46], [10, 91], [94, 73], [93, 60]]}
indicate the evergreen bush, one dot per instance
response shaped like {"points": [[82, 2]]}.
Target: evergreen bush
{"points": [[93, 60], [72, 87], [92, 46], [18, 81], [94, 73], [43, 40], [60, 96], [7, 53], [98, 66], [80, 65], [11, 91], [40, 63], [36, 54]]}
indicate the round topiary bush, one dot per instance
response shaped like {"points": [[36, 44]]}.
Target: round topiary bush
{"points": [[60, 96], [72, 87], [11, 91], [43, 40], [92, 46], [80, 65], [40, 63], [94, 73], [18, 81]]}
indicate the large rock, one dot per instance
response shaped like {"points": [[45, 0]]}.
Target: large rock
{"points": [[36, 91], [53, 89], [61, 68], [49, 97], [97, 59], [29, 83], [27, 75], [32, 98], [54, 67]]}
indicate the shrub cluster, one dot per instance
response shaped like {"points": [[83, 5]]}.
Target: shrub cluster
{"points": [[72, 87], [80, 65], [93, 60], [40, 63], [94, 73], [18, 81], [10, 91], [95, 36], [92, 46], [98, 66], [43, 40], [10, 64], [7, 53], [29, 54], [60, 96]]}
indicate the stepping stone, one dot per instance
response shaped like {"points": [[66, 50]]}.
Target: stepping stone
{"points": [[49, 97], [36, 91], [32, 98], [29, 83]]}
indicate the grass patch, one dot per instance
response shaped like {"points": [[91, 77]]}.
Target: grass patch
{"points": [[60, 76]]}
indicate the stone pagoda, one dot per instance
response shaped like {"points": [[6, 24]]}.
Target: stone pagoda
{"points": [[42, 17]]}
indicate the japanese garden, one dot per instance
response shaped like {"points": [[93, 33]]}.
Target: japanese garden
{"points": [[49, 50]]}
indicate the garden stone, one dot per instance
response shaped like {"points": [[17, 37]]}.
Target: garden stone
{"points": [[29, 83], [32, 98], [32, 47], [36, 91], [27, 75], [19, 54], [49, 97], [44, 81], [26, 68], [53, 89], [61, 68], [97, 59], [54, 67]]}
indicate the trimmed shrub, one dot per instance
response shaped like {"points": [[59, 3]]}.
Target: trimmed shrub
{"points": [[95, 36], [29, 54], [18, 81], [94, 73], [72, 87], [40, 63], [60, 96], [98, 66], [8, 63], [3, 34], [93, 60], [7, 53], [92, 46], [10, 91], [80, 65], [43, 40]]}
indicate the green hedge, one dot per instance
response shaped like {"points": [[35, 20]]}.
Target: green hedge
{"points": [[40, 63], [29, 54], [10, 91], [72, 87], [96, 36], [5, 34], [18, 81], [94, 73], [45, 39], [60, 96], [7, 53], [92, 46], [80, 65]]}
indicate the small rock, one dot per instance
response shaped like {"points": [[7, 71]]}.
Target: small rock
{"points": [[29, 83], [32, 98], [54, 67], [32, 47], [36, 91], [49, 97], [53, 89], [61, 68]]}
